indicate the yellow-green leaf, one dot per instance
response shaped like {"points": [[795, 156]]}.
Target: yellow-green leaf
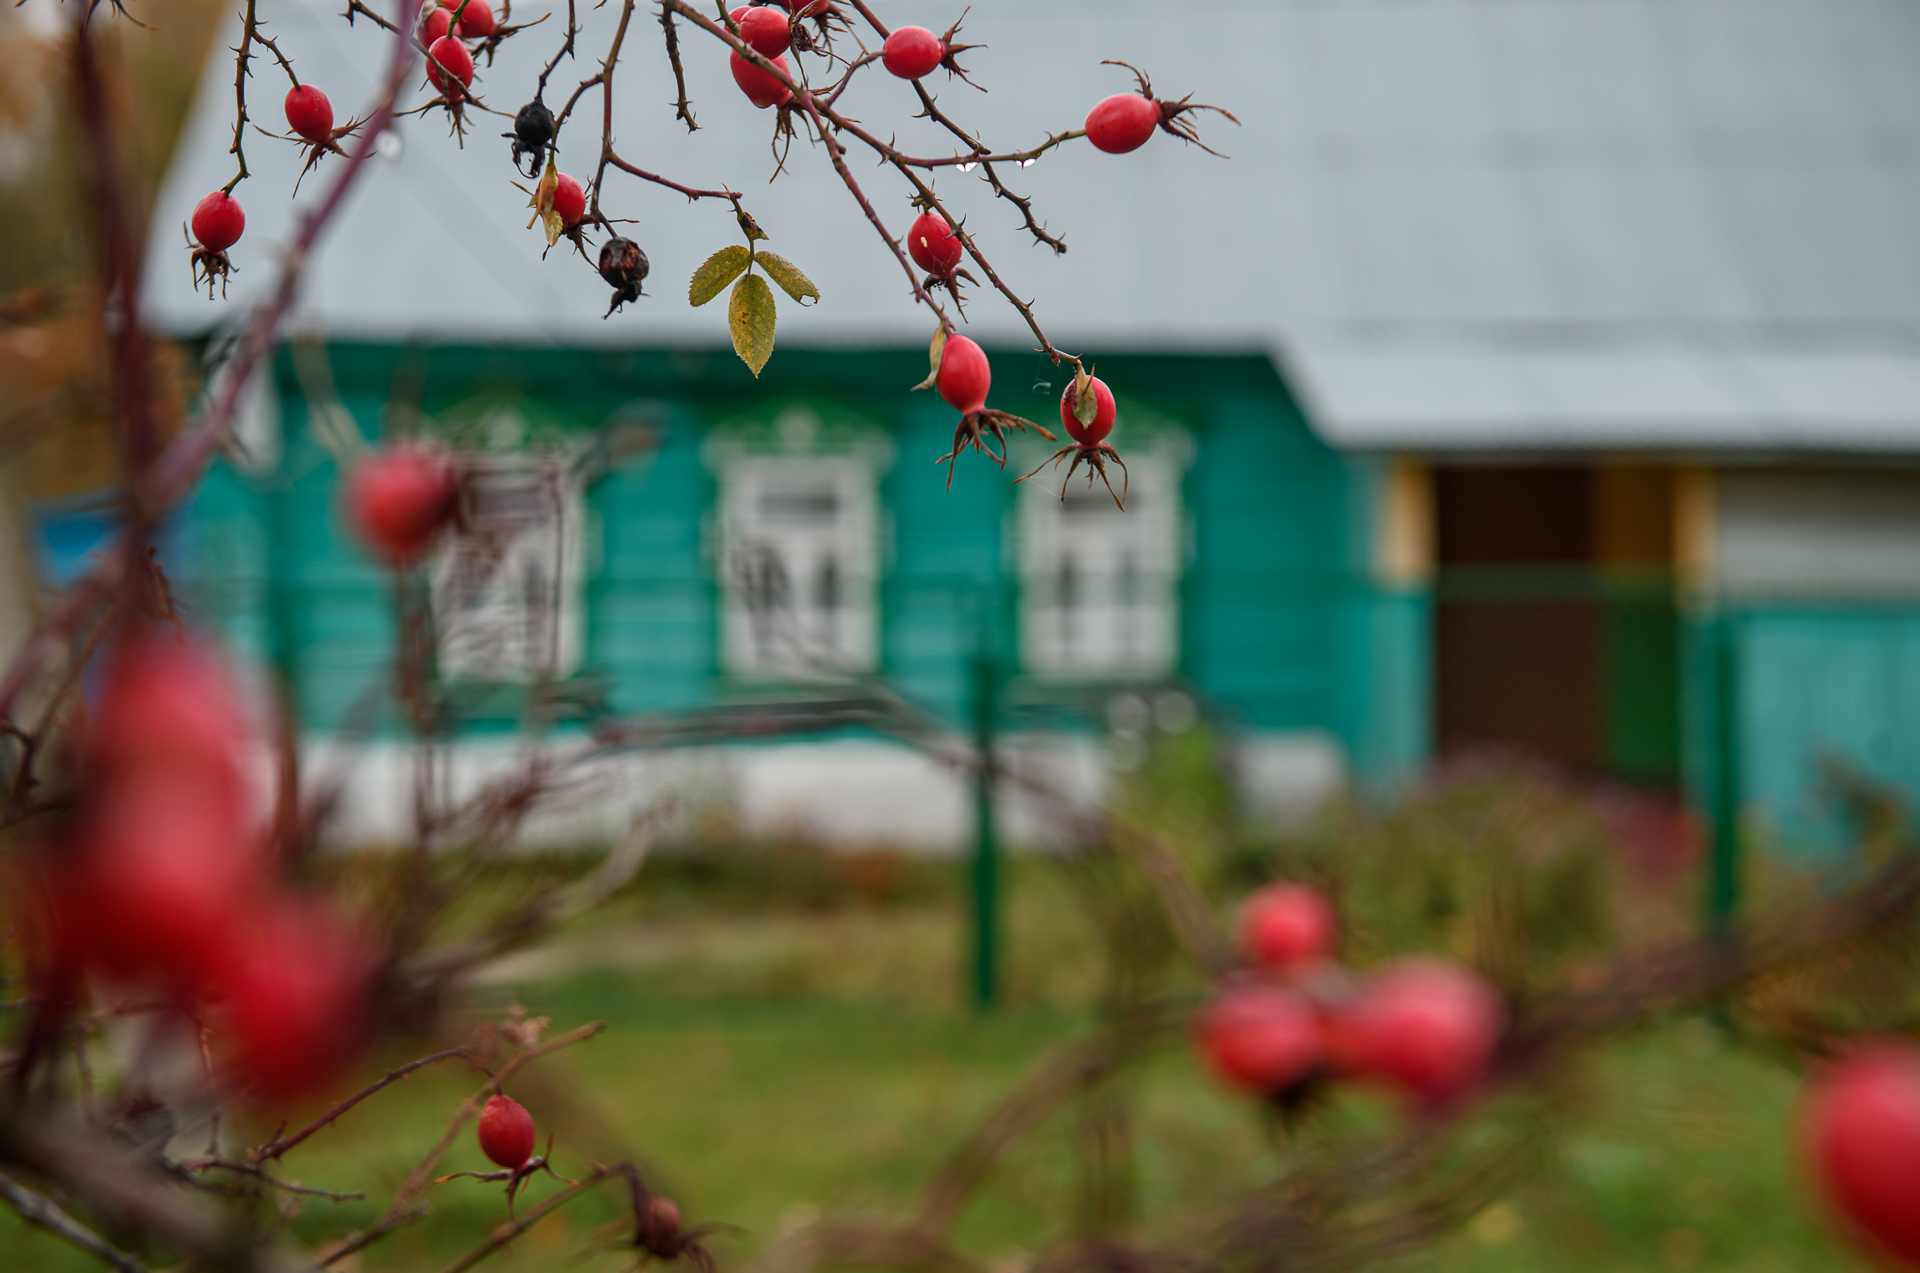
{"points": [[934, 350], [750, 318], [716, 272], [750, 227], [788, 276]]}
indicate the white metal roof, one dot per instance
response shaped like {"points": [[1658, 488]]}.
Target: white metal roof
{"points": [[1583, 399], [1460, 222]]}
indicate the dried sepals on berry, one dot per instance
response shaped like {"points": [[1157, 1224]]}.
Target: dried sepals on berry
{"points": [[450, 71], [1123, 122], [217, 225], [962, 375], [310, 116], [1087, 411]]}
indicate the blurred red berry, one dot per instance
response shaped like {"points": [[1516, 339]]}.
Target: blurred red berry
{"points": [[964, 375], [169, 707], [476, 20], [764, 27], [1122, 122], [506, 1132], [1341, 1045], [295, 1000], [911, 52], [399, 498], [1103, 411], [435, 24], [1861, 1139], [160, 878], [569, 200], [1427, 1027], [1282, 925], [933, 245], [310, 114], [451, 54], [1261, 1038], [762, 89], [218, 222]]}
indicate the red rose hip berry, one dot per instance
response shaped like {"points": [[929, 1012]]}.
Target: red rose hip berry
{"points": [[399, 499], [476, 20], [1103, 411], [933, 245], [1861, 1139], [1122, 122], [451, 54], [569, 200], [295, 1000], [218, 221], [436, 23], [1285, 925], [506, 1132], [1428, 1028], [310, 114], [1261, 1038], [911, 52], [762, 89], [964, 376], [765, 28]]}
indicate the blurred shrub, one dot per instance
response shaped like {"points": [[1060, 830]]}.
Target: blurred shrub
{"points": [[1505, 866], [791, 872]]}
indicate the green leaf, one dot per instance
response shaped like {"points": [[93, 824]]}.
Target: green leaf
{"points": [[715, 273], [934, 350], [788, 276], [750, 317], [750, 227]]}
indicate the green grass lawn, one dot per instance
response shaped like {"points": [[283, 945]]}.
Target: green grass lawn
{"points": [[771, 1067]]}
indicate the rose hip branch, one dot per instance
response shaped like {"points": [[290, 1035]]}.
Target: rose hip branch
{"points": [[774, 52]]}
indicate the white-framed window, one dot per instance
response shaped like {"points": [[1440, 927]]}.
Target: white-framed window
{"points": [[506, 579], [1100, 588], [799, 547]]}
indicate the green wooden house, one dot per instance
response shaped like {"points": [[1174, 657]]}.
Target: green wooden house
{"points": [[1542, 376]]}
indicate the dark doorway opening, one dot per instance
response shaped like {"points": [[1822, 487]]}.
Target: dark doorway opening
{"points": [[1555, 631]]}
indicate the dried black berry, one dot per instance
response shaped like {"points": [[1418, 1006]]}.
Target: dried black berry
{"points": [[624, 265], [532, 130]]}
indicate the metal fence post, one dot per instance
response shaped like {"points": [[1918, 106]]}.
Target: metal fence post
{"points": [[1723, 880], [986, 849]]}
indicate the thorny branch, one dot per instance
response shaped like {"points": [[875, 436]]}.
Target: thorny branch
{"points": [[41, 1212], [1304, 1224], [901, 162], [402, 1208], [281, 1144]]}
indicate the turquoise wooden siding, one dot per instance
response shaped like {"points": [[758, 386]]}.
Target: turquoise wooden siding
{"points": [[945, 593], [1280, 626], [1811, 684], [649, 603]]}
